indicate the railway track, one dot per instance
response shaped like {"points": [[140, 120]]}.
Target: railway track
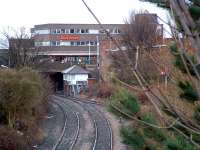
{"points": [[64, 126], [103, 132], [70, 130], [54, 124], [71, 135]]}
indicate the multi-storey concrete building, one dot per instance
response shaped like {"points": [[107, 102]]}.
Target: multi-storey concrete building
{"points": [[75, 43]]}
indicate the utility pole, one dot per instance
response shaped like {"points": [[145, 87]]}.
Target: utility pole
{"points": [[89, 53], [98, 61]]}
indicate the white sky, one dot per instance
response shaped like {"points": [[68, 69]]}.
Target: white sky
{"points": [[27, 13]]}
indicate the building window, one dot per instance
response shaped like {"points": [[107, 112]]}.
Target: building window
{"points": [[57, 43], [82, 31], [65, 43], [44, 31], [78, 43], [53, 43], [37, 44], [46, 43], [66, 31], [116, 31], [72, 31], [94, 31], [86, 30], [72, 43], [82, 43], [91, 43], [58, 31], [78, 31], [62, 31], [53, 31], [87, 42]]}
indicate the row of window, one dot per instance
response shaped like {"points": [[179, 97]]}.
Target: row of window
{"points": [[74, 43], [66, 43], [76, 31], [78, 60], [71, 31], [83, 31]]}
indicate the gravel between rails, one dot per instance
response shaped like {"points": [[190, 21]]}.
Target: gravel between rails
{"points": [[103, 139], [103, 131], [77, 126], [86, 135], [52, 126], [71, 129]]}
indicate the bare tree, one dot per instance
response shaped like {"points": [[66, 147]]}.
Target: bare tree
{"points": [[140, 34], [142, 30], [21, 50]]}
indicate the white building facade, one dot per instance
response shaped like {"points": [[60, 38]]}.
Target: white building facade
{"points": [[75, 80]]}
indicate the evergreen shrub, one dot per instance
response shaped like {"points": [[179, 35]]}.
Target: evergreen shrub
{"points": [[188, 92]]}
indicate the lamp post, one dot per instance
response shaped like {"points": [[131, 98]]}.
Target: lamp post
{"points": [[89, 53], [98, 61]]}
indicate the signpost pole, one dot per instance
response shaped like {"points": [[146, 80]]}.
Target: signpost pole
{"points": [[89, 54], [98, 61]]}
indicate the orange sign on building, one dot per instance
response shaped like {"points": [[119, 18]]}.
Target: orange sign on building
{"points": [[69, 37]]}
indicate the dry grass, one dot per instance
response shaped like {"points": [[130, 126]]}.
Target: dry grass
{"points": [[172, 91], [164, 62], [10, 139]]}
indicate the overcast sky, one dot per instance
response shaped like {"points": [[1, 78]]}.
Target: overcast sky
{"points": [[27, 13]]}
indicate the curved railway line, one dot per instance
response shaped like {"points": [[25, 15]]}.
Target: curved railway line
{"points": [[103, 131], [70, 129], [70, 138], [64, 126], [55, 117]]}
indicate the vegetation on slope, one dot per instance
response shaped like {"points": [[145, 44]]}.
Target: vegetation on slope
{"points": [[23, 96], [126, 101], [152, 137]]}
